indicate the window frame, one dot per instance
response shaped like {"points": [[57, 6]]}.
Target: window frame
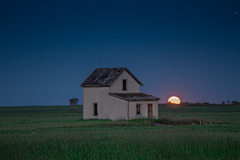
{"points": [[138, 104], [95, 109], [125, 85]]}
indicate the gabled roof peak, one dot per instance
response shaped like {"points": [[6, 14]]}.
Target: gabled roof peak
{"points": [[104, 77]]}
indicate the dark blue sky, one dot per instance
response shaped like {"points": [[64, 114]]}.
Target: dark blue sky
{"points": [[189, 49]]}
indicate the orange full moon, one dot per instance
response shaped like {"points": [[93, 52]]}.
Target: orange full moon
{"points": [[174, 100]]}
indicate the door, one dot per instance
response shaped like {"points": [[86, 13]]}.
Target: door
{"points": [[150, 111]]}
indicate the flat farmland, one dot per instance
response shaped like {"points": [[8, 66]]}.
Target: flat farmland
{"points": [[58, 132], [228, 114]]}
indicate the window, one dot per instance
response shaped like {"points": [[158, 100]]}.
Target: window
{"points": [[138, 106], [95, 109], [124, 85]]}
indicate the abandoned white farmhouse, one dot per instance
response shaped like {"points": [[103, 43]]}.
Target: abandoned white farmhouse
{"points": [[114, 93]]}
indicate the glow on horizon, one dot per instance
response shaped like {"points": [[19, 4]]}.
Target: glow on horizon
{"points": [[174, 100]]}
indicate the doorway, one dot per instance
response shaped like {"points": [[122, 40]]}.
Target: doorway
{"points": [[150, 110]]}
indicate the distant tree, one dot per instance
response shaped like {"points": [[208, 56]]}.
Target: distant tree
{"points": [[74, 102], [185, 103], [228, 101], [234, 102], [223, 103], [198, 104], [206, 103]]}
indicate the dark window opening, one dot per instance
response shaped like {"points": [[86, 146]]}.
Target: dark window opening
{"points": [[138, 109], [95, 109], [124, 85]]}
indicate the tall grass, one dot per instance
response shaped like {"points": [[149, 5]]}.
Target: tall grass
{"points": [[121, 143], [62, 134], [182, 120], [228, 114]]}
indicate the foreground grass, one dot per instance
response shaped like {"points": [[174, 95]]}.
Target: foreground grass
{"points": [[63, 134], [121, 143]]}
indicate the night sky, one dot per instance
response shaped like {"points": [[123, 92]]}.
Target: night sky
{"points": [[190, 49]]}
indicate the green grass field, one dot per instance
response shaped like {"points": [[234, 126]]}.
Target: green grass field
{"points": [[54, 132]]}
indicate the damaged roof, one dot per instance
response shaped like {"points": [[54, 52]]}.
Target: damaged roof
{"points": [[134, 96], [104, 77]]}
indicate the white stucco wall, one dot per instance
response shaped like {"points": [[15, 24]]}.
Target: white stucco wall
{"points": [[144, 109], [132, 85], [108, 107], [92, 95], [118, 109]]}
